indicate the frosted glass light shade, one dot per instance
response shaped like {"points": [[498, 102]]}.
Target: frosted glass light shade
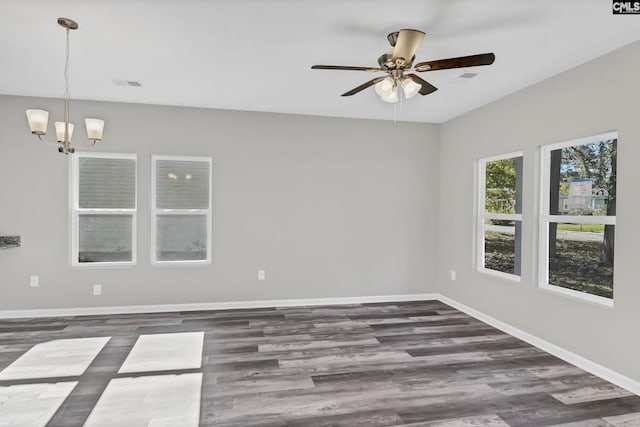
{"points": [[410, 88], [95, 127], [384, 87], [38, 120], [392, 97], [60, 131]]}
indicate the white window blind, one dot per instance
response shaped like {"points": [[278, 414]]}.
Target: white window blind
{"points": [[181, 210], [103, 209]]}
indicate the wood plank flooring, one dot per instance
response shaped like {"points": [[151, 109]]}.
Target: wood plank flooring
{"points": [[385, 364]]}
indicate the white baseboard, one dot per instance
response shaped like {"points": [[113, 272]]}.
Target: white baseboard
{"points": [[561, 353], [576, 360], [163, 308]]}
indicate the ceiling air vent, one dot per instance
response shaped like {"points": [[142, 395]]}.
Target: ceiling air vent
{"points": [[131, 83]]}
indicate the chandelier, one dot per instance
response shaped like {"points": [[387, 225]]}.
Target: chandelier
{"points": [[38, 119]]}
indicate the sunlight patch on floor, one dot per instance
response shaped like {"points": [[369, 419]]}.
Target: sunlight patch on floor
{"points": [[32, 405], [165, 352], [168, 400], [53, 359]]}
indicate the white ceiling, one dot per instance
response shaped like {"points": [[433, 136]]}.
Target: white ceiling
{"points": [[256, 54]]}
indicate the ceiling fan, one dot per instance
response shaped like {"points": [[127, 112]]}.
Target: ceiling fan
{"points": [[400, 61]]}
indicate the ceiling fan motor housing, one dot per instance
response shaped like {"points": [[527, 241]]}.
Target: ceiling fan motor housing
{"points": [[387, 63]]}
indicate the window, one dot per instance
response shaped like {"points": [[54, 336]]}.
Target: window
{"points": [[181, 210], [103, 211], [500, 215], [578, 217]]}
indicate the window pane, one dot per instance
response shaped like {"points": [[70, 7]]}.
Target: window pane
{"points": [[503, 185], [181, 238], [581, 257], [105, 238], [107, 183], [583, 179], [501, 243], [182, 184]]}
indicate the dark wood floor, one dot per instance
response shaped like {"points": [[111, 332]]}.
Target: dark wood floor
{"points": [[387, 364]]}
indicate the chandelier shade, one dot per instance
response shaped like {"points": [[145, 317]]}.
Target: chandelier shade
{"points": [[95, 127], [38, 120], [61, 131]]}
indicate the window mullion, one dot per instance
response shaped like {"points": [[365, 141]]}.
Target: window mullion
{"points": [[85, 211], [581, 219], [503, 217], [182, 211]]}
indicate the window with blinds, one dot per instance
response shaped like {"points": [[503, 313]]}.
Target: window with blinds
{"points": [[181, 210], [103, 209]]}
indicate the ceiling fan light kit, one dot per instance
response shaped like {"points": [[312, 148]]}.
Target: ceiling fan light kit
{"points": [[392, 96], [385, 87], [397, 63], [410, 88], [39, 119]]}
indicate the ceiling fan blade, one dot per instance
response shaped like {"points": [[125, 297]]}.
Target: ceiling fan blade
{"points": [[427, 87], [363, 86], [460, 62], [342, 67], [406, 45]]}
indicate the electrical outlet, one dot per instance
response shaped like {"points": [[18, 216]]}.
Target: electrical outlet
{"points": [[34, 281], [97, 289], [453, 275], [261, 274]]}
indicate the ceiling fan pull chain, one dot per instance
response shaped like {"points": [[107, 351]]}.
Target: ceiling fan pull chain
{"points": [[395, 113]]}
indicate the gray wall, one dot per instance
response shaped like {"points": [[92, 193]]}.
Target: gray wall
{"points": [[596, 97], [328, 207]]}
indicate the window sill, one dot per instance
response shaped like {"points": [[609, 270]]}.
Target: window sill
{"points": [[577, 295], [179, 264], [500, 275], [94, 265]]}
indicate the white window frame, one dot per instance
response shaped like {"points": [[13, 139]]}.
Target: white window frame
{"points": [[76, 211], [546, 218], [155, 212], [482, 216]]}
